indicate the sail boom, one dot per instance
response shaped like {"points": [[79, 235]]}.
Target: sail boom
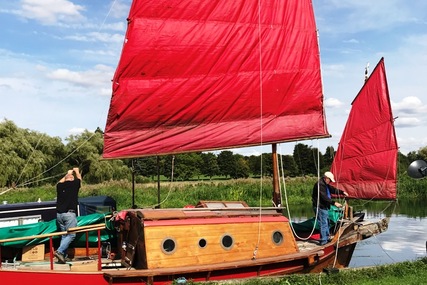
{"points": [[161, 151]]}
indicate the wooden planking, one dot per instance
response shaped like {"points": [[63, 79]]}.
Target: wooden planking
{"points": [[216, 267], [164, 214], [188, 252]]}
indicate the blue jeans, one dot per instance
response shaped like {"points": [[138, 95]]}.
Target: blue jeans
{"points": [[323, 220], [65, 221]]}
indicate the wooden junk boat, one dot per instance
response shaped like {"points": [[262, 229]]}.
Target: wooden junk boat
{"points": [[197, 76], [231, 241]]}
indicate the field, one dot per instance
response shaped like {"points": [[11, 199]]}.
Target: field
{"points": [[176, 194], [255, 192]]}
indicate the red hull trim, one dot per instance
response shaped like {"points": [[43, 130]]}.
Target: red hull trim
{"points": [[272, 269]]}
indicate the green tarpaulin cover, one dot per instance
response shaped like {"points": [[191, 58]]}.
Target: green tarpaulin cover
{"points": [[335, 214], [41, 228]]}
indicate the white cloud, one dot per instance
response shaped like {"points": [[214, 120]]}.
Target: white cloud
{"points": [[351, 41], [410, 141], [92, 77], [333, 103], [349, 16], [409, 105], [61, 82], [335, 70], [76, 131], [120, 9], [50, 12], [105, 91], [407, 122], [96, 37]]}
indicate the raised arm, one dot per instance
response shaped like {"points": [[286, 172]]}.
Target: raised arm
{"points": [[337, 191], [77, 172], [69, 172]]}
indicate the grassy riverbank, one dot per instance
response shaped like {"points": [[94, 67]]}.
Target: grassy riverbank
{"points": [[408, 273], [255, 192], [177, 194]]}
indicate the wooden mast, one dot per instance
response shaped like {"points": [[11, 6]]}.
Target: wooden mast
{"points": [[277, 199]]}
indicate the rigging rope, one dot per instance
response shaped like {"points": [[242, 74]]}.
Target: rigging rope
{"points": [[170, 184], [29, 158], [33, 180], [261, 131], [287, 204]]}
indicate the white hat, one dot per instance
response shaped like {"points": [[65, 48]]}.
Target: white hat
{"points": [[330, 176]]}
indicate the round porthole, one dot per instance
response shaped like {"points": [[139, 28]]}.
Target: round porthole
{"points": [[227, 242], [277, 237], [168, 246], [202, 243]]}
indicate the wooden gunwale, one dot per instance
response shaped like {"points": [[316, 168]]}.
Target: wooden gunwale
{"points": [[179, 213], [97, 227], [70, 230]]}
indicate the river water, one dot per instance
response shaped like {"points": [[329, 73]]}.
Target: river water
{"points": [[404, 240]]}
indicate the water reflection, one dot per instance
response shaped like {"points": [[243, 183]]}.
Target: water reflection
{"points": [[404, 240]]}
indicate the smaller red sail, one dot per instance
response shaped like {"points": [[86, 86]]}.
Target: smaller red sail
{"points": [[365, 165]]}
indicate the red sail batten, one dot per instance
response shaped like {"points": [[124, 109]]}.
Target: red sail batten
{"points": [[365, 164], [204, 75]]}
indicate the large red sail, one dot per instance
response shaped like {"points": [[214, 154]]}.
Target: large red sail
{"points": [[365, 164], [197, 75]]}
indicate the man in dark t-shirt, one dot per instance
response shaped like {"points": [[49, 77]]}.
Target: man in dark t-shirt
{"points": [[67, 192]]}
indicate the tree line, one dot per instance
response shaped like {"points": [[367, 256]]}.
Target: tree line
{"points": [[29, 158]]}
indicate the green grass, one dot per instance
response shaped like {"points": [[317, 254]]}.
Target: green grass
{"points": [[254, 191], [408, 273], [177, 194]]}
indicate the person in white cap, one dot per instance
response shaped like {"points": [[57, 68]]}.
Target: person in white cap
{"points": [[322, 202]]}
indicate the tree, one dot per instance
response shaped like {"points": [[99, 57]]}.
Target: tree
{"points": [[403, 162], [422, 153], [50, 152], [28, 158], [186, 166], [210, 164], [145, 166], [85, 151], [241, 167], [290, 168], [267, 164], [307, 159], [10, 163], [328, 157], [261, 165], [255, 165], [226, 163], [303, 159], [413, 155]]}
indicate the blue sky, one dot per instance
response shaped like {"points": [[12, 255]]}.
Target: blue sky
{"points": [[58, 57]]}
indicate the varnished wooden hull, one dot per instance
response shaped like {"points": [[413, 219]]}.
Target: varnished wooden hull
{"points": [[236, 270]]}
